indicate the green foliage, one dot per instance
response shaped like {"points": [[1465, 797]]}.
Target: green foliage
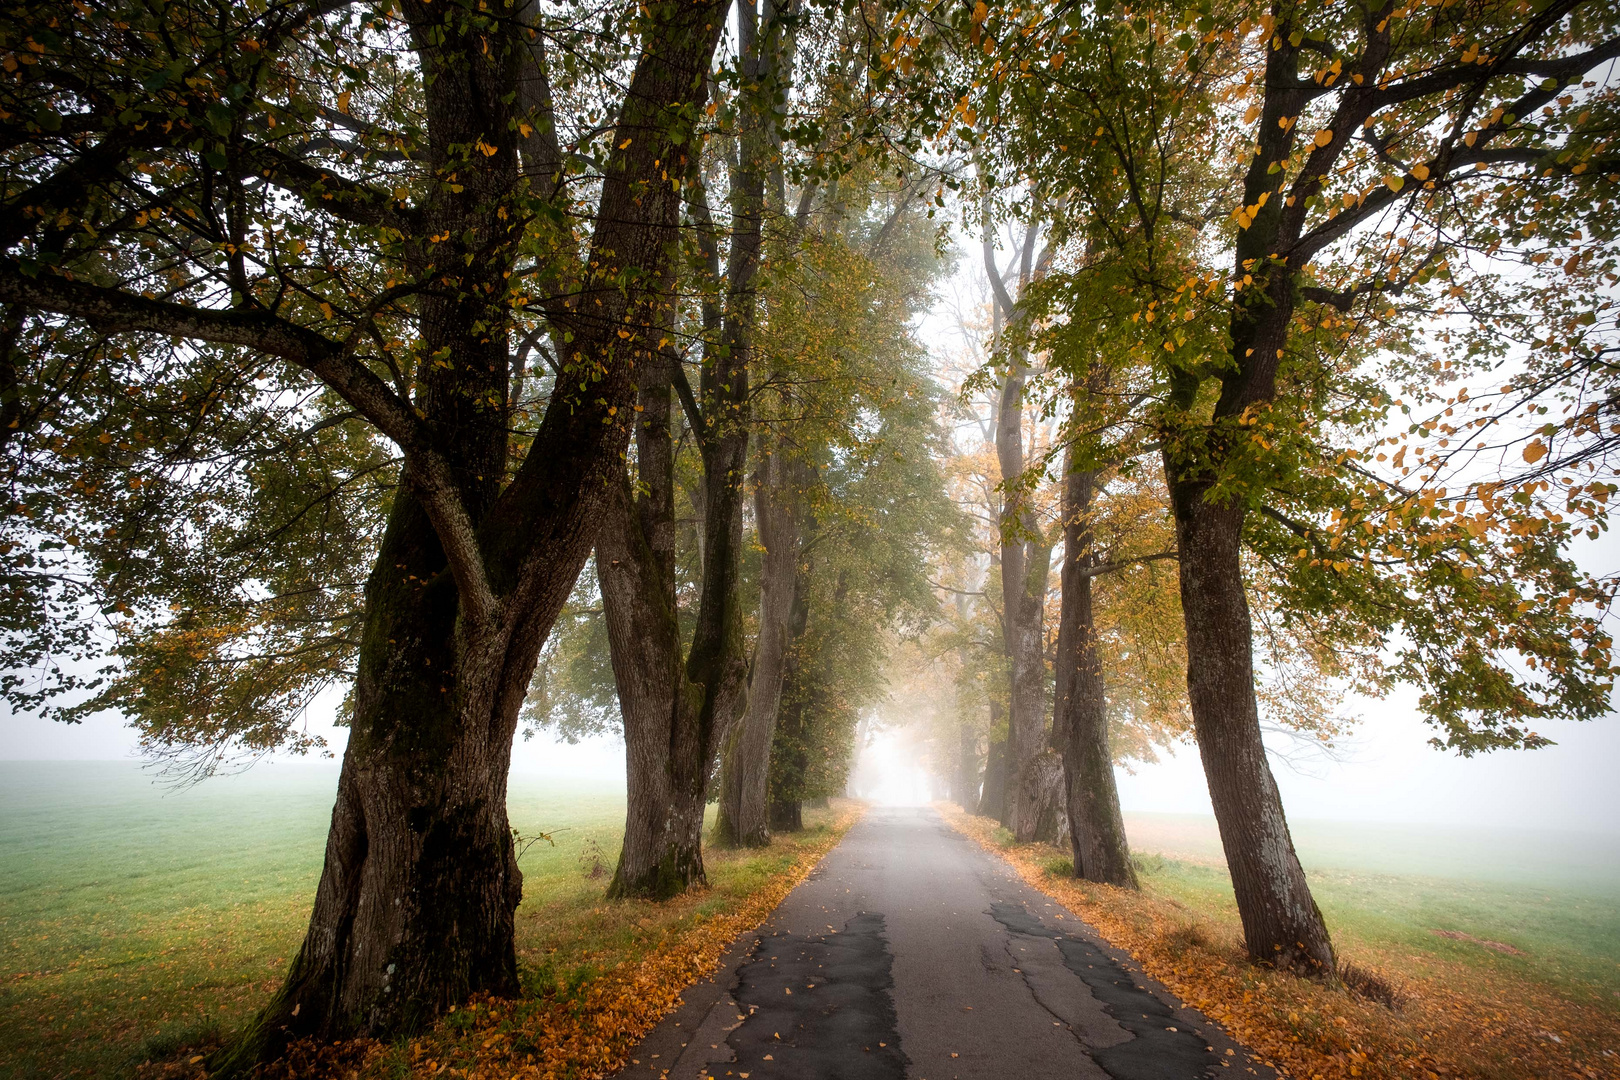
{"points": [[237, 251], [573, 690], [1283, 261], [846, 370]]}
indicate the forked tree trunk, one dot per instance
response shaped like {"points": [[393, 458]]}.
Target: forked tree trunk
{"points": [[1281, 922], [1025, 554], [677, 713], [745, 769], [676, 708], [667, 750], [414, 908], [1080, 706]]}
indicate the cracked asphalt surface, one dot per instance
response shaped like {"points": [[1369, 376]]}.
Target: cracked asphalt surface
{"points": [[911, 952]]}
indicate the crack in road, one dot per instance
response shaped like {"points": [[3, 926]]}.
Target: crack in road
{"points": [[1163, 1048]]}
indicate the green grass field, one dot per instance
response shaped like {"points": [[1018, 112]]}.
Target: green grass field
{"points": [[131, 916], [1386, 890]]}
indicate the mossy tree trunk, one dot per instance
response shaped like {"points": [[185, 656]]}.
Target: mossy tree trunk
{"points": [[789, 747]]}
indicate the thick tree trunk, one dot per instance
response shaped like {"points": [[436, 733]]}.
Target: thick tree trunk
{"points": [[789, 759], [1045, 796], [1026, 727], [1281, 922], [745, 770], [1080, 708], [667, 752], [675, 709], [414, 908]]}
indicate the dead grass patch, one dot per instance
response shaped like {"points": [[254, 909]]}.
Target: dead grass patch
{"points": [[1494, 946]]}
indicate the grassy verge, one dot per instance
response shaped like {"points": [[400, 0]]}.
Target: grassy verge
{"points": [[599, 976], [1465, 1010]]}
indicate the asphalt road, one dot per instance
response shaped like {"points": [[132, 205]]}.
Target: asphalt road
{"points": [[911, 952]]}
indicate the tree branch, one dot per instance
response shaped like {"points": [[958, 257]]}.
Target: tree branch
{"points": [[349, 199], [112, 310], [683, 390]]}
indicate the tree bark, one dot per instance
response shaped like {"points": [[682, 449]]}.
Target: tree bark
{"points": [[1080, 706], [745, 770], [676, 709], [1281, 922], [677, 717], [667, 747], [1282, 925], [414, 908], [789, 759]]}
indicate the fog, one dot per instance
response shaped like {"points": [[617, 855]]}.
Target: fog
{"points": [[1385, 772]]}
